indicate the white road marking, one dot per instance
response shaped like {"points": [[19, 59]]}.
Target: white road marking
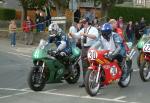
{"points": [[12, 89], [50, 92], [61, 94], [14, 95], [135, 70], [104, 99], [121, 97], [20, 54]]}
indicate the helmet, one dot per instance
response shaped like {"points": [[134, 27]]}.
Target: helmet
{"points": [[53, 27], [106, 30]]}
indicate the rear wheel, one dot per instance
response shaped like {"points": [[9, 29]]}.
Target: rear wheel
{"points": [[92, 88], [145, 71], [74, 75], [36, 78], [125, 81]]}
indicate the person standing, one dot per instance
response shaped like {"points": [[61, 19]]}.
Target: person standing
{"points": [[28, 28], [37, 20], [119, 31], [120, 23], [47, 11], [142, 25], [42, 22], [136, 31], [12, 31], [89, 36], [77, 15], [73, 29], [130, 31]]}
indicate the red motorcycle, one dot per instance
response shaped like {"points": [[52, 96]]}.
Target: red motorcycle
{"points": [[145, 67], [102, 72]]}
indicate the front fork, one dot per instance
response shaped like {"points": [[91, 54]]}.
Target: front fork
{"points": [[98, 74], [41, 69]]}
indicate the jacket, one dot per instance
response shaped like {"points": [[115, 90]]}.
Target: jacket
{"points": [[26, 27]]}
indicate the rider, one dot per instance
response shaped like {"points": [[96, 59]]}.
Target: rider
{"points": [[59, 38], [110, 40]]}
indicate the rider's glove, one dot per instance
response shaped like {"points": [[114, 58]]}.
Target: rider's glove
{"points": [[109, 56], [63, 54]]}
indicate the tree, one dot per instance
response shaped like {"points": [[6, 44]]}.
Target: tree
{"points": [[30, 4], [106, 5], [61, 6]]}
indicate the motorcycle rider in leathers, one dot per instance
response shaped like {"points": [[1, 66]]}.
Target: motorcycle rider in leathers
{"points": [[61, 40], [111, 41]]}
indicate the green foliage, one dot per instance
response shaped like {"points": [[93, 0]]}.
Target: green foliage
{"points": [[130, 14], [7, 14], [30, 4]]}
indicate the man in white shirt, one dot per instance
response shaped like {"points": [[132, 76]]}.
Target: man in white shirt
{"points": [[73, 29], [89, 35]]}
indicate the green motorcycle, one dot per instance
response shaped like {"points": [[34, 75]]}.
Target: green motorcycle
{"points": [[49, 68], [140, 45]]}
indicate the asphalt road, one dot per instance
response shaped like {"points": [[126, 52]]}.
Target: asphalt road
{"points": [[15, 65]]}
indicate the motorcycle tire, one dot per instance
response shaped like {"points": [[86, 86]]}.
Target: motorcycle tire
{"points": [[91, 91], [126, 82], [144, 77], [34, 72], [140, 59], [129, 63], [74, 76]]}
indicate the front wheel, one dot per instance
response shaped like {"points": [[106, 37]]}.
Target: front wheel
{"points": [[92, 88], [140, 59], [145, 71], [36, 79]]}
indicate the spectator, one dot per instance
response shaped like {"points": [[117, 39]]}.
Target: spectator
{"points": [[12, 31], [41, 23], [113, 22], [47, 11], [88, 14], [136, 31], [142, 25], [77, 15], [89, 35], [28, 28], [120, 23], [130, 31], [37, 20]]}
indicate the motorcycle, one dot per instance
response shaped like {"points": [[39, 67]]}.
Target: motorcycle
{"points": [[50, 68], [140, 45], [103, 72], [145, 66]]}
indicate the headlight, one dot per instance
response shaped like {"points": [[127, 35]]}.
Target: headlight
{"points": [[92, 54]]}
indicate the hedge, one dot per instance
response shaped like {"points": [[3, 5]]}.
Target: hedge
{"points": [[130, 14], [7, 14]]}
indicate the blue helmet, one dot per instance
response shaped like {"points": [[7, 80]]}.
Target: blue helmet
{"points": [[106, 27], [106, 30]]}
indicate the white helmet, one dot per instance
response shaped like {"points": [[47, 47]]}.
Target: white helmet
{"points": [[53, 26]]}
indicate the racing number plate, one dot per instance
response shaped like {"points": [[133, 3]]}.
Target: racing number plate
{"points": [[92, 54], [146, 48]]}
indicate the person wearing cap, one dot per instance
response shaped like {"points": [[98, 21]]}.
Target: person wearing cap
{"points": [[89, 35]]}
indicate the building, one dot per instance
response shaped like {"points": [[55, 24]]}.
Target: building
{"points": [[141, 3]]}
